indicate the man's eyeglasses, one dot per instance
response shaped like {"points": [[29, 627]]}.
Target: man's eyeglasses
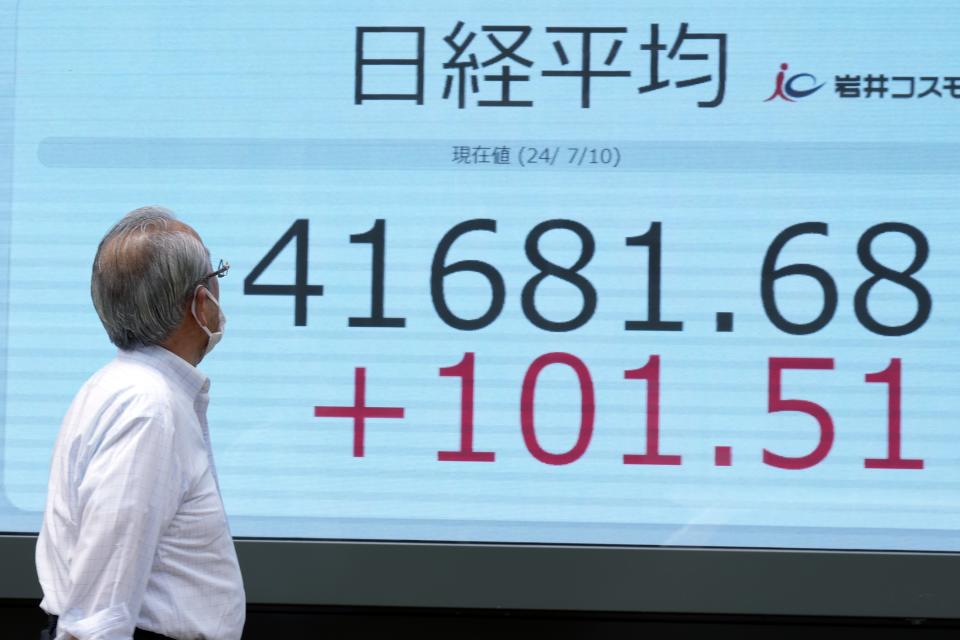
{"points": [[220, 271]]}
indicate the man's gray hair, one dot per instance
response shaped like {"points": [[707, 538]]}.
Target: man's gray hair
{"points": [[145, 272]]}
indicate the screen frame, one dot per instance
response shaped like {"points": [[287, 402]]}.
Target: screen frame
{"points": [[872, 584], [539, 577]]}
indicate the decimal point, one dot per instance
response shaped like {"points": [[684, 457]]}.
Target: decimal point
{"points": [[724, 322], [723, 456]]}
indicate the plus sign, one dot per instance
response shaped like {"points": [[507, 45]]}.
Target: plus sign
{"points": [[359, 411]]}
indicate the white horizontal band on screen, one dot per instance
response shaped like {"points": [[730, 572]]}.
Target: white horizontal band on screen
{"points": [[395, 154]]}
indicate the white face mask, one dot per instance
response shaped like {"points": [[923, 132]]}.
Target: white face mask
{"points": [[213, 336]]}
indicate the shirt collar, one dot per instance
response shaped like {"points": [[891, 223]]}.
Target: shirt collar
{"points": [[193, 381]]}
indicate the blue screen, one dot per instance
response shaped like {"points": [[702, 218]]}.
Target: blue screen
{"points": [[592, 273]]}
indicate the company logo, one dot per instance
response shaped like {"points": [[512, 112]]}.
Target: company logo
{"points": [[787, 89]]}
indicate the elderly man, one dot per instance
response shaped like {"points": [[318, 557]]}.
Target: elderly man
{"points": [[134, 541]]}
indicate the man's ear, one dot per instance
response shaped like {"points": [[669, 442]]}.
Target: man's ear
{"points": [[201, 303]]}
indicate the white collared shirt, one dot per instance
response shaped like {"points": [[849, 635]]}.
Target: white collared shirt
{"points": [[134, 533]]}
